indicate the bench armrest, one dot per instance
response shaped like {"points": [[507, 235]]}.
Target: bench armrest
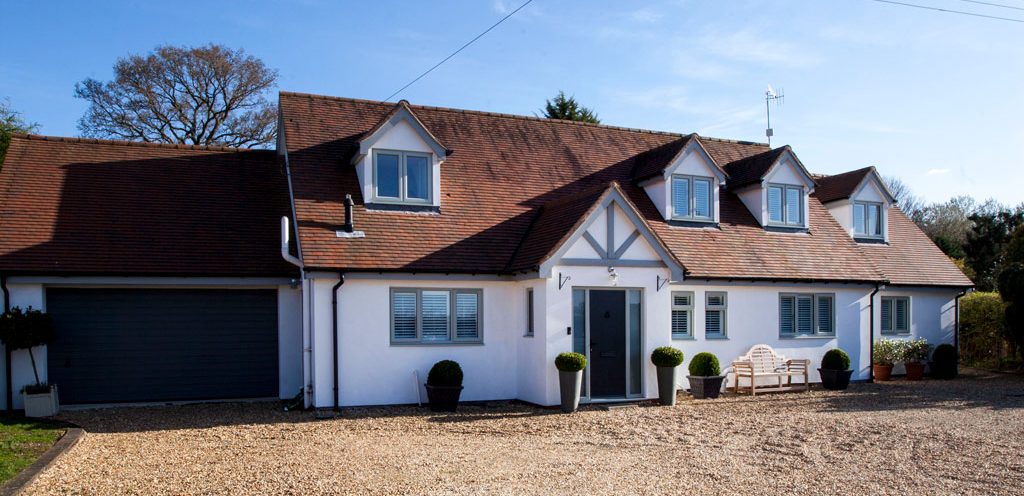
{"points": [[801, 364]]}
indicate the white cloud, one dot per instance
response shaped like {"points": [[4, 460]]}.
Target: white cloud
{"points": [[501, 7], [753, 47], [646, 15], [937, 172]]}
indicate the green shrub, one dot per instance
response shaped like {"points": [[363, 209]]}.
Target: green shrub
{"points": [[944, 361], [570, 362], [887, 351], [982, 328], [705, 364], [446, 373], [835, 359], [914, 350], [25, 329], [667, 356]]}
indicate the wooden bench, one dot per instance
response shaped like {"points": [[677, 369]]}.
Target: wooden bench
{"points": [[762, 361]]}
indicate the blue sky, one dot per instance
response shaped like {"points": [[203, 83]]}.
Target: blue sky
{"points": [[933, 98]]}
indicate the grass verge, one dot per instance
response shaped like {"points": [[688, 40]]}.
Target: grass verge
{"points": [[22, 440]]}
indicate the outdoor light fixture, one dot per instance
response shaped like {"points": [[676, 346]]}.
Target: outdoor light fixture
{"points": [[613, 276]]}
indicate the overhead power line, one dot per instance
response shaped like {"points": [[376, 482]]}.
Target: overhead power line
{"points": [[949, 11], [463, 47], [979, 2]]}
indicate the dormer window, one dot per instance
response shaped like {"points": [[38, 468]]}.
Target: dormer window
{"points": [[785, 205], [691, 198], [402, 177], [867, 220]]}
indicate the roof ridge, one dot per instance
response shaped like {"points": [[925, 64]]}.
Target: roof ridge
{"points": [[98, 141], [862, 169], [520, 117]]}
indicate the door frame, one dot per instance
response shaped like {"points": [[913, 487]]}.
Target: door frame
{"points": [[585, 396]]}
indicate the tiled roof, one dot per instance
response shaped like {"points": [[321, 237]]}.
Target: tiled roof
{"points": [[95, 207], [503, 170], [840, 186], [750, 170], [554, 223], [911, 258]]}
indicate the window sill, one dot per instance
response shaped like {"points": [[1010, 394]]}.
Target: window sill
{"points": [[441, 344], [786, 229], [707, 224], [380, 206], [895, 333], [716, 338], [819, 336], [870, 241], [528, 335], [688, 338]]}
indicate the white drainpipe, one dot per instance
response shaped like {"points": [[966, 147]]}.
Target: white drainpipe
{"points": [[285, 237]]}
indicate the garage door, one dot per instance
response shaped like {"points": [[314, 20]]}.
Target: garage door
{"points": [[125, 345]]}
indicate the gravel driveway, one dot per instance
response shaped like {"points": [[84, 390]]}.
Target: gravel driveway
{"points": [[963, 436]]}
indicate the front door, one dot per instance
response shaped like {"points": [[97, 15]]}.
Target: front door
{"points": [[607, 343]]}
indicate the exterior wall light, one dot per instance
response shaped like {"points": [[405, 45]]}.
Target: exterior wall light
{"points": [[613, 276]]}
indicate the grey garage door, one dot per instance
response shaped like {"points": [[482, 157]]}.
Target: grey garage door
{"points": [[124, 345]]}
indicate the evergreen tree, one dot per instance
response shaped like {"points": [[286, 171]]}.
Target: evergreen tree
{"points": [[567, 108]]}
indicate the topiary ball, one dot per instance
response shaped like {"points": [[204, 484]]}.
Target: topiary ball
{"points": [[835, 359], [570, 362], [446, 373], [705, 364], [667, 356], [944, 361]]}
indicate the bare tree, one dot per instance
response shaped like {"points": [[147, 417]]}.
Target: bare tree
{"points": [[908, 202], [210, 95]]}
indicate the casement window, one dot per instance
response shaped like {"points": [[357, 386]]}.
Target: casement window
{"points": [[895, 315], [682, 315], [692, 197], [786, 205], [401, 176], [529, 312], [715, 317], [867, 219], [807, 314], [436, 316]]}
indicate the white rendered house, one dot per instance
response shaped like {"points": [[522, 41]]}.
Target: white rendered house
{"points": [[494, 240]]}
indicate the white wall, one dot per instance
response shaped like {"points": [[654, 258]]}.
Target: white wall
{"points": [[932, 315], [374, 372]]}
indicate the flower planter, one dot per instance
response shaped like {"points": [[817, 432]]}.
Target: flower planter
{"points": [[835, 380], [702, 387], [667, 385], [569, 383], [41, 404], [443, 398], [915, 370], [882, 372]]}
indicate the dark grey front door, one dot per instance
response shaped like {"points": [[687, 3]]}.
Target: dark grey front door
{"points": [[607, 343], [125, 345]]}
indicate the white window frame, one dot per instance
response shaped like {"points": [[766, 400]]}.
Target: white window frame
{"points": [[785, 222], [452, 320], [881, 219], [893, 329], [691, 208], [723, 308], [530, 309], [816, 331], [683, 308], [403, 178]]}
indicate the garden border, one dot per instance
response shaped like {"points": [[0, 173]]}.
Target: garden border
{"points": [[29, 474]]}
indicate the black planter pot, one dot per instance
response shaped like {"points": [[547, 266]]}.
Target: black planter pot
{"points": [[667, 385], [705, 387], [835, 380], [443, 398], [943, 370]]}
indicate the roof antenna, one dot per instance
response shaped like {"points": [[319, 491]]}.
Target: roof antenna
{"points": [[770, 95]]}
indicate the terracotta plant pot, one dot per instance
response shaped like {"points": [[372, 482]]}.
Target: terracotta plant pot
{"points": [[882, 372], [915, 370]]}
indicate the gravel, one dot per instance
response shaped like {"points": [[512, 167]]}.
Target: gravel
{"points": [[931, 437]]}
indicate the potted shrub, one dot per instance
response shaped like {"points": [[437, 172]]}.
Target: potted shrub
{"points": [[944, 362], [24, 330], [570, 377], [444, 386], [667, 358], [705, 376], [885, 354], [914, 354], [835, 370]]}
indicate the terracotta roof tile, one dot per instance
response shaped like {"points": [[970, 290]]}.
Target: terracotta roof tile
{"points": [[840, 186], [82, 206], [911, 258]]}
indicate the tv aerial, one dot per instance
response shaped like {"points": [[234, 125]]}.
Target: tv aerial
{"points": [[771, 95]]}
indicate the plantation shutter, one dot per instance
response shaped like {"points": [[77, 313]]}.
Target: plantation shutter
{"points": [[793, 206], [825, 314], [403, 311], [901, 314], [859, 224], [787, 315], [775, 204], [714, 315], [702, 198], [467, 321], [804, 315], [682, 304], [681, 196], [435, 315], [886, 314]]}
